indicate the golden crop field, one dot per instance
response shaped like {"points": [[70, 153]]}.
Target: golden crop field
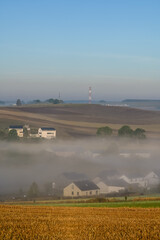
{"points": [[29, 222]]}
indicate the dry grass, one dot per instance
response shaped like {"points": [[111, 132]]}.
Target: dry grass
{"points": [[64, 223]]}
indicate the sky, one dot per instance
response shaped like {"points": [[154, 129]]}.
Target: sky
{"points": [[52, 46]]}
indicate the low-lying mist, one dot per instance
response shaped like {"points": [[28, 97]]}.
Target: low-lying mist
{"points": [[23, 163]]}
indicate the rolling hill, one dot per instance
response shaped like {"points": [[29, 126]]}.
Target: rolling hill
{"points": [[80, 120]]}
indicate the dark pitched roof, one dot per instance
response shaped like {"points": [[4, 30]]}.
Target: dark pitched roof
{"points": [[86, 185], [16, 126], [157, 172], [48, 129]]}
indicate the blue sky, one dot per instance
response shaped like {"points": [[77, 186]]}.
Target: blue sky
{"points": [[52, 46]]}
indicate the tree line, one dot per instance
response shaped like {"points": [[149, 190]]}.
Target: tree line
{"points": [[37, 101], [124, 131]]}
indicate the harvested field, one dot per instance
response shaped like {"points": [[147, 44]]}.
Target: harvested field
{"points": [[29, 222], [81, 120]]}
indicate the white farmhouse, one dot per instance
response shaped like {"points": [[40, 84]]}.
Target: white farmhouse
{"points": [[140, 181], [152, 178], [18, 128], [47, 132], [81, 188], [105, 189]]}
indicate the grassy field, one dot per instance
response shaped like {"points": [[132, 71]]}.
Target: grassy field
{"points": [[81, 120], [148, 201], [139, 204], [65, 223]]}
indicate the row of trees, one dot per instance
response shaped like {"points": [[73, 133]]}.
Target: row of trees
{"points": [[37, 101], [124, 131], [34, 191]]}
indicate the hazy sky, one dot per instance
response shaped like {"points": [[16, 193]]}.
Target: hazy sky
{"points": [[52, 46]]}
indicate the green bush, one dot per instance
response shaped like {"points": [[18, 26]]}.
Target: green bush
{"points": [[140, 133], [104, 131], [125, 131]]}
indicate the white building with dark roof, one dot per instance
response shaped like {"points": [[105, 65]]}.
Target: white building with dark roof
{"points": [[18, 128], [105, 188], [150, 180], [47, 132], [84, 188]]}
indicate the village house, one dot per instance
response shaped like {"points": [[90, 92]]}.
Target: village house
{"points": [[84, 188], [150, 180], [106, 188], [18, 128], [139, 181], [47, 132]]}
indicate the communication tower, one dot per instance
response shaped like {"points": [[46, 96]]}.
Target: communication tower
{"points": [[90, 95]]}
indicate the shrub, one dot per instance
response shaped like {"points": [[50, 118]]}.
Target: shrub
{"points": [[104, 131], [125, 131]]}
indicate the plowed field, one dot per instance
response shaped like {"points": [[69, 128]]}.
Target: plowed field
{"points": [[29, 222]]}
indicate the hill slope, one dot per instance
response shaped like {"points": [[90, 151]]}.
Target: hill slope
{"points": [[75, 120]]}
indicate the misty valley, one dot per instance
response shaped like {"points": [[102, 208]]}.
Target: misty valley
{"points": [[117, 166]]}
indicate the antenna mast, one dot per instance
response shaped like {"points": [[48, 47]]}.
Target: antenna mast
{"points": [[90, 95]]}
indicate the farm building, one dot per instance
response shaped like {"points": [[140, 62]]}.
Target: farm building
{"points": [[18, 128], [47, 132], [81, 188], [105, 188], [150, 180]]}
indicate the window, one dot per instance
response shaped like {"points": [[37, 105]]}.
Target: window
{"points": [[90, 192], [96, 192], [77, 193], [72, 193]]}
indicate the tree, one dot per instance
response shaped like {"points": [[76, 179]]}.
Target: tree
{"points": [[36, 101], [18, 103], [2, 134], [54, 101], [12, 135], [140, 133], [25, 132], [104, 131], [48, 189], [33, 191], [125, 131]]}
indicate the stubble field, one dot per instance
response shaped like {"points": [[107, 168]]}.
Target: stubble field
{"points": [[81, 120], [68, 223]]}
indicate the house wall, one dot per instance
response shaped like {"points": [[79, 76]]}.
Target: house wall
{"points": [[19, 131], [115, 189], [47, 133], [34, 135], [152, 179], [73, 191], [104, 189]]}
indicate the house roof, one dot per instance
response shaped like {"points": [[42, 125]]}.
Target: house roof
{"points": [[157, 172], [16, 126], [86, 185], [48, 129]]}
